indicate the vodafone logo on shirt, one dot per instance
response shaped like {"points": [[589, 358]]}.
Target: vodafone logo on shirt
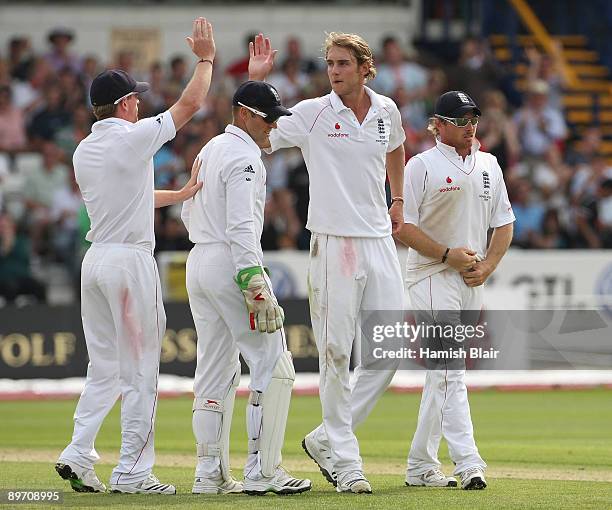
{"points": [[449, 188], [337, 127]]}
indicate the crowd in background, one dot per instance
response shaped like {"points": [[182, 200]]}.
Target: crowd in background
{"points": [[559, 185]]}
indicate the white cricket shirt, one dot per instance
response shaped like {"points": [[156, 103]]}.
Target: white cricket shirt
{"points": [[114, 170], [229, 209], [454, 201], [345, 161]]}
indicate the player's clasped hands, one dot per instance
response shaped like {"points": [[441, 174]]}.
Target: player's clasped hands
{"points": [[462, 259], [202, 42], [265, 313]]}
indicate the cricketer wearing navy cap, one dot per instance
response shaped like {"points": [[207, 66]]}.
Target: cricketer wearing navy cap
{"points": [[225, 272], [455, 104], [261, 99], [111, 86]]}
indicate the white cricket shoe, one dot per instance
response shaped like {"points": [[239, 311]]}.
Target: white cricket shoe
{"points": [[355, 482], [281, 483], [433, 478], [81, 479], [321, 455], [150, 485], [473, 479], [216, 485]]}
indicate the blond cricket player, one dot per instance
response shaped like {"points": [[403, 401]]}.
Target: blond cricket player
{"points": [[121, 303], [351, 140], [454, 194]]}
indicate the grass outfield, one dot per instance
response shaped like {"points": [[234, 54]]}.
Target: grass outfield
{"points": [[544, 450]]}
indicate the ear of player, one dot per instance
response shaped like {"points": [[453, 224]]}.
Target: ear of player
{"points": [[265, 313]]}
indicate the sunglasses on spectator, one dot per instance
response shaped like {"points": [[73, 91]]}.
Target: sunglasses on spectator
{"points": [[460, 122]]}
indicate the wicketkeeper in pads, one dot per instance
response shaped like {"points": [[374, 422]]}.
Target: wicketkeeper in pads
{"points": [[234, 307]]}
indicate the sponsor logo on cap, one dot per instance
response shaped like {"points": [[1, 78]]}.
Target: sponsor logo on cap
{"points": [[463, 98]]}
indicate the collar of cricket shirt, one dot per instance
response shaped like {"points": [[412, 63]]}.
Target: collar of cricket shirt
{"points": [[338, 105], [450, 151], [244, 136]]}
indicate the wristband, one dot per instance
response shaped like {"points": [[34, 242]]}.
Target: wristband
{"points": [[445, 256], [397, 199], [205, 60]]}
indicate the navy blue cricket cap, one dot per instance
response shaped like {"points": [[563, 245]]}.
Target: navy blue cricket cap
{"points": [[262, 97], [113, 84], [455, 104]]}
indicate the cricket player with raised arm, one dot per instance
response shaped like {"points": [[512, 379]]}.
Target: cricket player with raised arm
{"points": [[351, 140], [121, 303], [234, 307], [454, 193]]}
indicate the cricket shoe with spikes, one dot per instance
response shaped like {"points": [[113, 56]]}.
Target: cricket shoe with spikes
{"points": [[321, 455], [280, 483], [355, 482], [150, 485], [81, 479], [433, 478], [216, 485], [473, 479]]}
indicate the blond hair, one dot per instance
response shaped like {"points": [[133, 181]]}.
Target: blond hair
{"points": [[357, 46], [104, 111], [432, 127]]}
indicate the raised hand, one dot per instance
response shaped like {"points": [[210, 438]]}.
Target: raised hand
{"points": [[261, 58], [202, 42]]}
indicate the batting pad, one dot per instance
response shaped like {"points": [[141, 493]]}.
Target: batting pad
{"points": [[267, 416], [212, 422]]}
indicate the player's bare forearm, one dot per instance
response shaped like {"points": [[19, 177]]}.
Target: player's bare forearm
{"points": [[500, 242], [413, 237], [395, 170]]}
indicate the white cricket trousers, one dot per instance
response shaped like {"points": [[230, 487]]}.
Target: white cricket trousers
{"points": [[348, 275], [444, 410], [124, 323], [222, 325]]}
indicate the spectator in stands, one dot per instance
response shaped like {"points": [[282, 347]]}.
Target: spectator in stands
{"points": [[290, 82], [19, 57], [12, 124], [586, 148], [548, 68], [239, 68], [529, 213], [91, 69], [178, 73], [59, 56], [65, 206], [552, 235], [73, 92], [15, 273], [540, 127], [397, 72], [594, 220], [76, 130], [496, 131], [476, 70], [294, 52], [51, 118], [28, 94], [154, 97], [41, 184]]}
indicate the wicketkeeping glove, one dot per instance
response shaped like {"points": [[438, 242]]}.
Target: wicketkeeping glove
{"points": [[260, 301]]}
